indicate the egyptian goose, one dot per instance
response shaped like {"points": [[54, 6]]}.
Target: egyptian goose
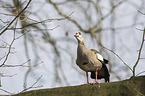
{"points": [[90, 60]]}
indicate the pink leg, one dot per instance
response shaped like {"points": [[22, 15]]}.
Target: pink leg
{"points": [[87, 78], [96, 77]]}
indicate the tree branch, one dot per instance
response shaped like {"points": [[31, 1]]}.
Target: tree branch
{"points": [[139, 54], [94, 35], [60, 13], [15, 18], [32, 86]]}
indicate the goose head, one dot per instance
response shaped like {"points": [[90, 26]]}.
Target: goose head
{"points": [[79, 37]]}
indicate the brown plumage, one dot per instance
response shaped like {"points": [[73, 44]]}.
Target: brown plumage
{"points": [[87, 60], [103, 72]]}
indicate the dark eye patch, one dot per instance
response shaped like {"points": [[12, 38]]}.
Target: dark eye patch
{"points": [[85, 63]]}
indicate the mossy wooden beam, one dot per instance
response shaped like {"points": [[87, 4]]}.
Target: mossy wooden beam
{"points": [[134, 86]]}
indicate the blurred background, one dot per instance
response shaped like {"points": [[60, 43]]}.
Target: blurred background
{"points": [[38, 49]]}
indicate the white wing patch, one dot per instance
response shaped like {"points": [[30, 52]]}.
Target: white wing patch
{"points": [[100, 57]]}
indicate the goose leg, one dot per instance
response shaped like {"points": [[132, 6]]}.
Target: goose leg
{"points": [[96, 77], [87, 78]]}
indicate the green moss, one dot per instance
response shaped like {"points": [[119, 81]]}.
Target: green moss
{"points": [[131, 87]]}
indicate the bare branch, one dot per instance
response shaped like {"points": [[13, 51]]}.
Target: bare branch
{"points": [[10, 46], [22, 65], [15, 17], [142, 58], [6, 91], [60, 13], [141, 12], [139, 54], [3, 21], [32, 86], [7, 15], [140, 73], [7, 75], [6, 65], [43, 21], [9, 51], [113, 53], [23, 28]]}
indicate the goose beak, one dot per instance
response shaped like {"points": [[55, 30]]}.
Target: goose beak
{"points": [[76, 35]]}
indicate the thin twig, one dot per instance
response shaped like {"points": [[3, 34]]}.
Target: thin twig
{"points": [[140, 73], [6, 65], [7, 75], [15, 18], [3, 21], [22, 28], [141, 12], [9, 51], [6, 91], [139, 54], [118, 57], [7, 14], [60, 13], [142, 58], [22, 65], [113, 53], [32, 86], [94, 28]]}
